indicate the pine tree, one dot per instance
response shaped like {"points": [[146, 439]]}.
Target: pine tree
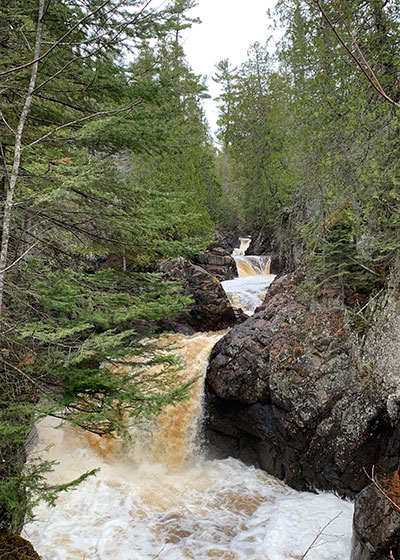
{"points": [[82, 231]]}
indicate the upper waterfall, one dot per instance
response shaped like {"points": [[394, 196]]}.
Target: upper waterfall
{"points": [[254, 277]]}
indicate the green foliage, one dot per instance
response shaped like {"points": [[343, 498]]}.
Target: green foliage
{"points": [[117, 172], [305, 138], [23, 485]]}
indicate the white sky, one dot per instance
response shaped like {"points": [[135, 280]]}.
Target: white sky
{"points": [[228, 29]]}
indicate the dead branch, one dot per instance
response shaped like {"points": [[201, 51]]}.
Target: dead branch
{"points": [[372, 478], [360, 60], [320, 532]]}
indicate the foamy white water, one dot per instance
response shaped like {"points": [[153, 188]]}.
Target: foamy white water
{"points": [[162, 499], [248, 291], [211, 509]]}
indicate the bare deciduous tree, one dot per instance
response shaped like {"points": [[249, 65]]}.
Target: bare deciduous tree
{"points": [[352, 46]]}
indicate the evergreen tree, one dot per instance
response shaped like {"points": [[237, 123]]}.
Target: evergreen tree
{"points": [[81, 230]]}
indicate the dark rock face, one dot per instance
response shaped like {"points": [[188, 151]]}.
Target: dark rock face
{"points": [[288, 380], [211, 310], [217, 260], [218, 263], [14, 547], [376, 527], [283, 259]]}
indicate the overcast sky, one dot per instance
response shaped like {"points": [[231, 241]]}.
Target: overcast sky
{"points": [[228, 29]]}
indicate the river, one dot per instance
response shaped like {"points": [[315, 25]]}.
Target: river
{"points": [[162, 498]]}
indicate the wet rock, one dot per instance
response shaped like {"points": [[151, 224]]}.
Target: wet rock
{"points": [[376, 527], [290, 380], [14, 547], [283, 259], [211, 310], [218, 263], [217, 260]]}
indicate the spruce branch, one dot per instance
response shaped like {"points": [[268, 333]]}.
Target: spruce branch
{"points": [[83, 119], [38, 58]]}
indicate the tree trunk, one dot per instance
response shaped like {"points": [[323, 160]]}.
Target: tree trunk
{"points": [[17, 157]]}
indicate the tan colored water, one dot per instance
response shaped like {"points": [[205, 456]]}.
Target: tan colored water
{"points": [[161, 498], [248, 291], [177, 427]]}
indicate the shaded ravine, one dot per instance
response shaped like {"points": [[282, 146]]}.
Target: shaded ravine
{"points": [[161, 497]]}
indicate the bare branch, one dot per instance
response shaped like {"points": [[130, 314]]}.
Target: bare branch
{"points": [[362, 64], [26, 376], [372, 478], [6, 123], [312, 545], [19, 258]]}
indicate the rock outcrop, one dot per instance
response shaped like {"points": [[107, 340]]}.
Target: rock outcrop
{"points": [[211, 310], [291, 382], [376, 524], [217, 259], [218, 263], [283, 258]]}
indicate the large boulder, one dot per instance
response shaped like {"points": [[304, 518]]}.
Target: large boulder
{"points": [[218, 262], [291, 382], [211, 310], [217, 259]]}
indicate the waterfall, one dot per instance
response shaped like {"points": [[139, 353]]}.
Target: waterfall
{"points": [[248, 291], [160, 497]]}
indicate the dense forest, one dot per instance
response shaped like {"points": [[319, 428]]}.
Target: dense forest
{"points": [[107, 167]]}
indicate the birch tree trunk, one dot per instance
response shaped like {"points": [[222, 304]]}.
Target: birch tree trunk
{"points": [[17, 157]]}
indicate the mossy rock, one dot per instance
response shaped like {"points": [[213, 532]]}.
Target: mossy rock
{"points": [[14, 547]]}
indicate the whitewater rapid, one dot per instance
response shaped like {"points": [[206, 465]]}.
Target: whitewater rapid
{"points": [[249, 289], [210, 509], [161, 498]]}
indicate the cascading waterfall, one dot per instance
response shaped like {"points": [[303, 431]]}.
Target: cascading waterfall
{"points": [[162, 498], [254, 277]]}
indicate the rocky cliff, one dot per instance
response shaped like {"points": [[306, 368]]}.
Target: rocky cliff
{"points": [[315, 401]]}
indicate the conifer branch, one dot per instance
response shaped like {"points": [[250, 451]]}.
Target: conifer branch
{"points": [[83, 119], [17, 154], [37, 58], [96, 51]]}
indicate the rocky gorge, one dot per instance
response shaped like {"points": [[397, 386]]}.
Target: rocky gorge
{"points": [[296, 389]]}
